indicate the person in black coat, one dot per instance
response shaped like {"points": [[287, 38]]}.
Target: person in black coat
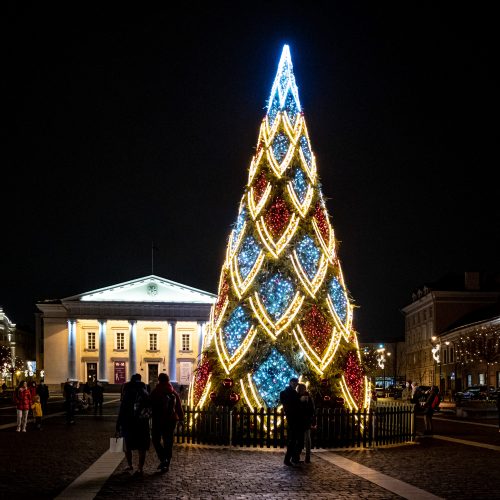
{"points": [[43, 391], [133, 421], [290, 400], [98, 397], [307, 418]]}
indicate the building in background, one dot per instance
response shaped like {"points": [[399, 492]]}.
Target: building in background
{"points": [[432, 318], [147, 325], [469, 351]]}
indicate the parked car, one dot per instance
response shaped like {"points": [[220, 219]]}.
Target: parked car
{"points": [[395, 392], [476, 392]]}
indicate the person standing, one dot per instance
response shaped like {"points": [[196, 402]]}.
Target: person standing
{"points": [[37, 412], [70, 396], [133, 421], [307, 418], [98, 397], [22, 399], [167, 411], [430, 406], [43, 391], [290, 400]]}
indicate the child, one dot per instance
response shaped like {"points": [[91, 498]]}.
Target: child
{"points": [[37, 412]]}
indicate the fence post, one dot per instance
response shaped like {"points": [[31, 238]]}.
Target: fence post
{"points": [[231, 427]]}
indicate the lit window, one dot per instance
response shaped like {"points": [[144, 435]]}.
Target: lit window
{"points": [[120, 341], [186, 342], [90, 340], [153, 341]]}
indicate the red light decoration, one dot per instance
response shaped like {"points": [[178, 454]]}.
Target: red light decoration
{"points": [[260, 186], [354, 376], [227, 382], [222, 298], [317, 329], [326, 398], [213, 396], [322, 222], [324, 382], [277, 216], [234, 398], [200, 379]]}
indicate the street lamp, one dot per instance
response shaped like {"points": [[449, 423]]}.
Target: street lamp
{"points": [[436, 351], [381, 363]]}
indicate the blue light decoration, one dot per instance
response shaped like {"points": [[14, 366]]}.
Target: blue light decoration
{"points": [[308, 255], [299, 183], [284, 92], [339, 299], [248, 255], [272, 376], [277, 293], [304, 144], [236, 328], [281, 144], [238, 227]]}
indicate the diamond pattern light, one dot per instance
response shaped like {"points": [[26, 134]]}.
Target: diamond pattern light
{"points": [[277, 293], [272, 377], [283, 307]]}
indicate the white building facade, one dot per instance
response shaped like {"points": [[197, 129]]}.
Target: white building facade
{"points": [[148, 326]]}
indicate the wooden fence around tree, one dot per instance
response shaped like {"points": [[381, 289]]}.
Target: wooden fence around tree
{"points": [[336, 428]]}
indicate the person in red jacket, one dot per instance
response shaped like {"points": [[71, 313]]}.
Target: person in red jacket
{"points": [[23, 401], [167, 411]]}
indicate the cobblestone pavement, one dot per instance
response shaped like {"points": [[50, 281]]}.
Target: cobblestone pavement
{"points": [[198, 472], [41, 464]]}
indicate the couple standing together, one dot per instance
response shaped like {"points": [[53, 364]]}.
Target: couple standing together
{"points": [[162, 406], [301, 416]]}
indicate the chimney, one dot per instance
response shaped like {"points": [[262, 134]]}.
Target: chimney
{"points": [[472, 281]]}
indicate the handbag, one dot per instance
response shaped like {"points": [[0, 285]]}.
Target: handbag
{"points": [[116, 445]]}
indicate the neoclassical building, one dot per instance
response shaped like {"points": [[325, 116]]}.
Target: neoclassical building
{"points": [[147, 325]]}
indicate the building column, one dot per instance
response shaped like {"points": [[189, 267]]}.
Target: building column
{"points": [[72, 349], [102, 373], [172, 353], [132, 365], [201, 336]]}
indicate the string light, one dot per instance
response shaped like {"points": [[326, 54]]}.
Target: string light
{"points": [[281, 250], [272, 377]]}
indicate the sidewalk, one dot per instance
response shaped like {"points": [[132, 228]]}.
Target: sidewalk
{"points": [[44, 465]]}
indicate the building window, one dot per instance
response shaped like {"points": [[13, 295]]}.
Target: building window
{"points": [[445, 356], [452, 354], [469, 379], [90, 340], [120, 341], [153, 341], [482, 379], [186, 342]]}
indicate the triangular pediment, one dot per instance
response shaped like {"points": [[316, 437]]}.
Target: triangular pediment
{"points": [[146, 289]]}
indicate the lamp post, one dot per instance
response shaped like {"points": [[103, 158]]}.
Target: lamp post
{"points": [[381, 364], [436, 354]]}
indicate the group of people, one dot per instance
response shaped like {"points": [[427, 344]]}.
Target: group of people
{"points": [[144, 417], [300, 413], [30, 400], [72, 401]]}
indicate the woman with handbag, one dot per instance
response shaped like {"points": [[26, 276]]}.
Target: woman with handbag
{"points": [[133, 421]]}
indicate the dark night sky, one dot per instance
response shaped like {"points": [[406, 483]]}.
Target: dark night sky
{"points": [[135, 127]]}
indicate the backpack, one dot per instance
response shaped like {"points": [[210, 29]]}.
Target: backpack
{"points": [[169, 406], [141, 411]]}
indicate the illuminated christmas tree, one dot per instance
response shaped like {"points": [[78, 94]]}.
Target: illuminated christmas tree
{"points": [[283, 309]]}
